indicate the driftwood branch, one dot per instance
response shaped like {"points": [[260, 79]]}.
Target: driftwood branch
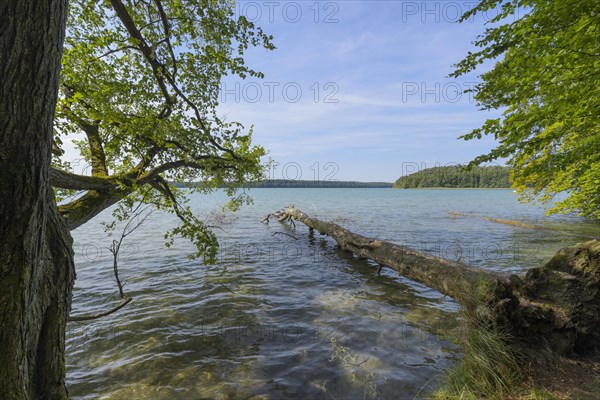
{"points": [[556, 306], [286, 234], [226, 288], [102, 314]]}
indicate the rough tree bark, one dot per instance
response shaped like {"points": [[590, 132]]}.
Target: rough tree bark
{"points": [[36, 259], [555, 307]]}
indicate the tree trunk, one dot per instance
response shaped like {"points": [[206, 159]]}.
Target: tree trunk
{"points": [[555, 307], [36, 259]]}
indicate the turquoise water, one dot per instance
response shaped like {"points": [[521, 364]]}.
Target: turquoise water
{"points": [[280, 318]]}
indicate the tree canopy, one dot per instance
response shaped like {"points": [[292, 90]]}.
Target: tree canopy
{"points": [[545, 81], [139, 86]]}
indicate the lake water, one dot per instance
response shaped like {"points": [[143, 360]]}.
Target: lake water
{"points": [[279, 318]]}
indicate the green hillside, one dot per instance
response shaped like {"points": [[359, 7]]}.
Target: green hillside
{"points": [[456, 177]]}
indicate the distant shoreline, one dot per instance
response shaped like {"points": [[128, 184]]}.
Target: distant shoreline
{"points": [[373, 187], [457, 177], [289, 184], [456, 188], [283, 184], [300, 184]]}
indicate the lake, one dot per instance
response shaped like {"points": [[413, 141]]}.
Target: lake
{"points": [[290, 316]]}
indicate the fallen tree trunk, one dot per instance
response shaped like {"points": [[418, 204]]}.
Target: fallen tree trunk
{"points": [[556, 306]]}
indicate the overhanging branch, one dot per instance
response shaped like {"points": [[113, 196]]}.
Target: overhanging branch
{"points": [[81, 210], [67, 180]]}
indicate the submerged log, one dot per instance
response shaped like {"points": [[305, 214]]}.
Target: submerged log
{"points": [[554, 307], [520, 224]]}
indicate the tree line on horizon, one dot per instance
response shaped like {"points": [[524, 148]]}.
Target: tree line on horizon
{"points": [[457, 176], [293, 183]]}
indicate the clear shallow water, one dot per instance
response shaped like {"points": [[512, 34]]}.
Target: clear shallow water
{"points": [[304, 321]]}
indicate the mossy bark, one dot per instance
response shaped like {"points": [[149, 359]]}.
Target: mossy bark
{"points": [[555, 307], [36, 259]]}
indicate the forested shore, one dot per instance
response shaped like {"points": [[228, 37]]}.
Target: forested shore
{"points": [[456, 177]]}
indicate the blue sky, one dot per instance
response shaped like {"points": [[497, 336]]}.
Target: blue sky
{"points": [[359, 90], [356, 90]]}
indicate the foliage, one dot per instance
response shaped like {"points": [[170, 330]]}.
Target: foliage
{"points": [[139, 87], [456, 177], [545, 81]]}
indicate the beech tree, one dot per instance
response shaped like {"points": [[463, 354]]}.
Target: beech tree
{"points": [[546, 84], [140, 84], [139, 87]]}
